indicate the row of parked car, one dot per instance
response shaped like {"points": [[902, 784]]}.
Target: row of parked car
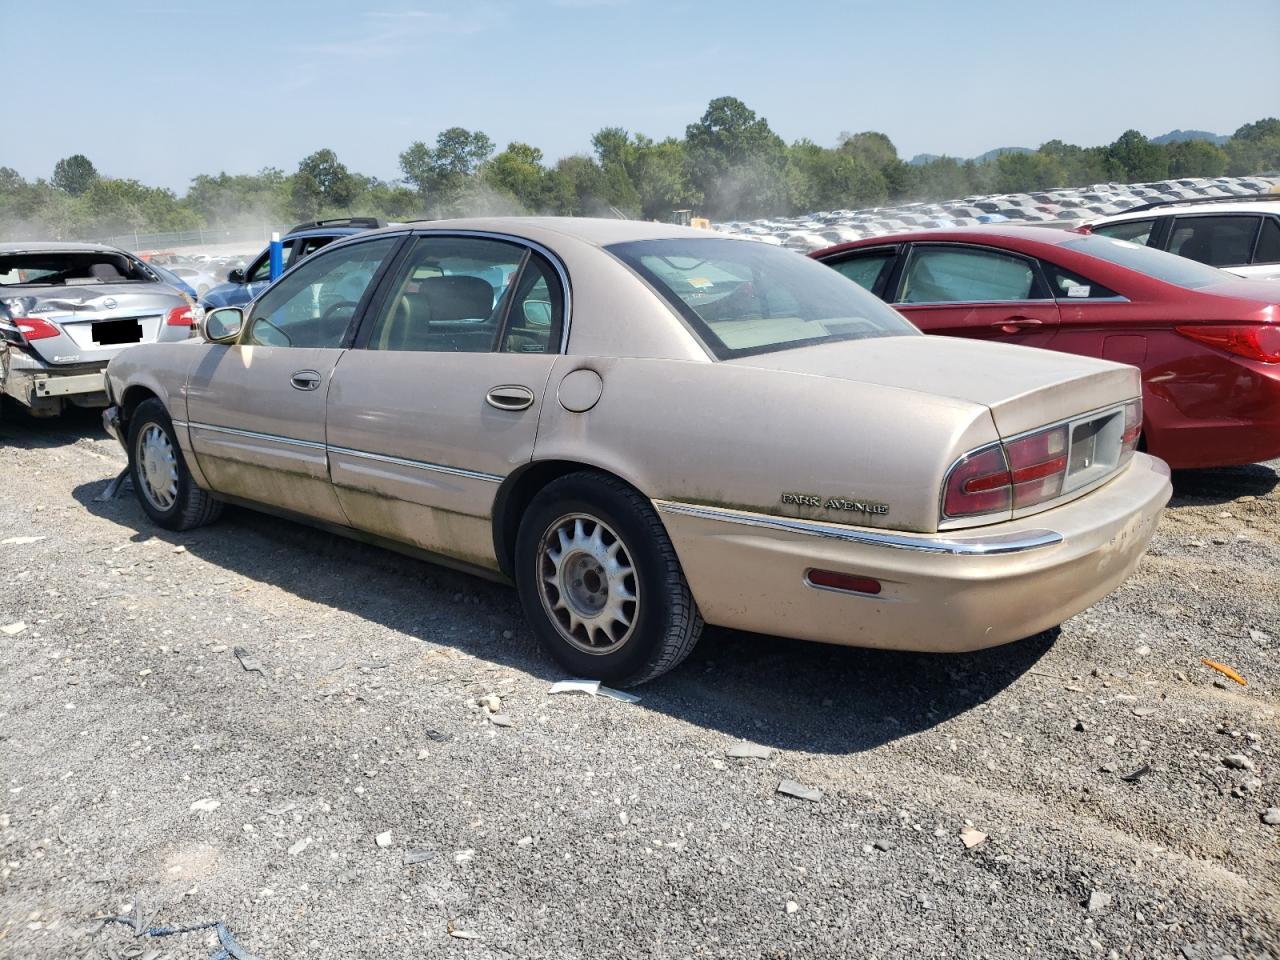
{"points": [[647, 427]]}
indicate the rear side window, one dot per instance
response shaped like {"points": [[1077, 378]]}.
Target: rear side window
{"points": [[1218, 241], [864, 269], [1268, 250], [1154, 263], [1135, 231], [958, 275], [1067, 285]]}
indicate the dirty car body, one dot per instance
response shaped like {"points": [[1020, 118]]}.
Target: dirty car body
{"points": [[647, 427], [68, 308]]}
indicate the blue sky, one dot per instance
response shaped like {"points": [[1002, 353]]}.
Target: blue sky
{"points": [[163, 91]]}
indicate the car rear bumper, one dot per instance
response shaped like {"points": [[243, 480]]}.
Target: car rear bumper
{"points": [[939, 592], [36, 384]]}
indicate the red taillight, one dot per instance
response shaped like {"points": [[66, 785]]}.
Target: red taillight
{"points": [[33, 328], [1132, 427], [978, 483], [179, 316], [1037, 465], [1259, 341], [831, 580]]}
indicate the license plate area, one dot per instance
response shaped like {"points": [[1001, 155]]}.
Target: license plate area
{"points": [[1095, 448], [109, 333]]}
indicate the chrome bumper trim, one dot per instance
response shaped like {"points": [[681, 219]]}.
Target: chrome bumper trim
{"points": [[991, 545]]}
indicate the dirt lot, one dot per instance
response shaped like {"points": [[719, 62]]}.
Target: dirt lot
{"points": [[1097, 760]]}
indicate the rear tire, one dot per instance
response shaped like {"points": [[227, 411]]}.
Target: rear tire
{"points": [[600, 582], [159, 473]]}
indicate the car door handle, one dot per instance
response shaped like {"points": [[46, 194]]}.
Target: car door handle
{"points": [[305, 380], [1014, 324], [509, 397]]}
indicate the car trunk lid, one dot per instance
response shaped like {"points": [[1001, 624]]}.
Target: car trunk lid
{"points": [[94, 320], [1023, 387]]}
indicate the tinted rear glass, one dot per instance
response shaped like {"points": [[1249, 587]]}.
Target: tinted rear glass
{"points": [[742, 297], [1154, 263]]}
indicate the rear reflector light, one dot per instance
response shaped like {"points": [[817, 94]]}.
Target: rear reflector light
{"points": [[33, 328], [1253, 341], [1012, 475], [179, 316], [1037, 466], [831, 580]]}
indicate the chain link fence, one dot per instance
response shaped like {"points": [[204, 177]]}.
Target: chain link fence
{"points": [[208, 236]]}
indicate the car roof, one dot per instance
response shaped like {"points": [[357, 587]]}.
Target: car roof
{"points": [[56, 246], [1204, 205], [597, 231], [1051, 236]]}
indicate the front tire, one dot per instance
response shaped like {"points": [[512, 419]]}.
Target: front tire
{"points": [[159, 473], [600, 581]]}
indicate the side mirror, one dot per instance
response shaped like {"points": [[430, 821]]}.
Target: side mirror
{"points": [[236, 276], [223, 324]]}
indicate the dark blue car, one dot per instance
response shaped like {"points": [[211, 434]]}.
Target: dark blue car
{"points": [[302, 241]]}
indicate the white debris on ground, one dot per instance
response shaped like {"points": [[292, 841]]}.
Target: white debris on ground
{"points": [[1067, 207]]}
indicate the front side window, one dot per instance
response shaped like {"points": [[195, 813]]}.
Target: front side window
{"points": [[1135, 231], [741, 297], [260, 272], [958, 275], [313, 305], [1218, 241], [471, 295], [864, 269]]}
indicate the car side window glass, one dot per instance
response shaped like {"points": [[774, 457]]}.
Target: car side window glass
{"points": [[537, 311], [1268, 249], [950, 275], [451, 296], [1218, 241], [1067, 285], [313, 305], [864, 269], [1135, 231], [261, 269]]}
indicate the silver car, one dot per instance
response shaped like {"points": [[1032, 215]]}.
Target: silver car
{"points": [[68, 308]]}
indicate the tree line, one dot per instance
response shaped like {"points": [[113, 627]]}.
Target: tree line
{"points": [[729, 165]]}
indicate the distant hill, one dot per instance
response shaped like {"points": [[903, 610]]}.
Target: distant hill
{"points": [[999, 152], [1177, 136]]}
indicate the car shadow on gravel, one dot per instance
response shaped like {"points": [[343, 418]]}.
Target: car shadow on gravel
{"points": [[1224, 484], [19, 429], [781, 693]]}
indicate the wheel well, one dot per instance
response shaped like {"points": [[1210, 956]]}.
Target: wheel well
{"points": [[132, 399], [518, 491]]}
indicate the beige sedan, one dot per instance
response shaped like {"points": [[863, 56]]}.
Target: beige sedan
{"points": [[647, 428]]}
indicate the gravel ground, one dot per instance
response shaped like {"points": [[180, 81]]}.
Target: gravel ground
{"points": [[592, 828]]}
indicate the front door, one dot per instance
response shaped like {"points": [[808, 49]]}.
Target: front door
{"points": [[976, 292], [257, 407], [439, 400]]}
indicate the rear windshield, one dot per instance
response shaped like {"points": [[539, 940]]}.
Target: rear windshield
{"points": [[1154, 263], [78, 268], [743, 297]]}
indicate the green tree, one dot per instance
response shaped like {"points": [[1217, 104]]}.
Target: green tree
{"points": [[824, 179], [736, 161], [517, 173], [441, 173], [74, 174], [322, 182], [1196, 158], [1138, 158], [1021, 172]]}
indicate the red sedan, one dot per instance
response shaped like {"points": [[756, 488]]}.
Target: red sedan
{"points": [[1207, 342]]}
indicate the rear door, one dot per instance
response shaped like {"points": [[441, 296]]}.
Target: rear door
{"points": [[440, 399], [257, 407], [966, 290]]}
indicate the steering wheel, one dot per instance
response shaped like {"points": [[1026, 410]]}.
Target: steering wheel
{"points": [[333, 308]]}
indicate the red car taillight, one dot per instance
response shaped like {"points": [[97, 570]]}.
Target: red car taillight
{"points": [[1132, 428], [1259, 341], [179, 316], [33, 328], [1020, 473]]}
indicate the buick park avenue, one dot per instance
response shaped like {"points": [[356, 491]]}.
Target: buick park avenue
{"points": [[646, 428]]}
